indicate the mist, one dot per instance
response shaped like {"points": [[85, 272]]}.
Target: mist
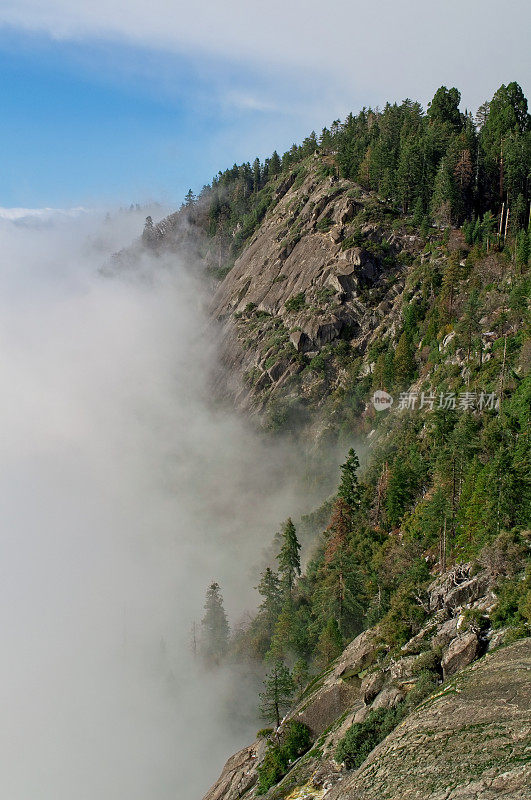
{"points": [[124, 492]]}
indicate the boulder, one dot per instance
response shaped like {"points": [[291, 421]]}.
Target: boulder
{"points": [[358, 655], [300, 341], [445, 633], [367, 267], [388, 698], [325, 332], [461, 652], [457, 588], [345, 282], [468, 592], [371, 685]]}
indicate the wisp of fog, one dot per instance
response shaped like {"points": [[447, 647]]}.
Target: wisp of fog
{"points": [[124, 493]]}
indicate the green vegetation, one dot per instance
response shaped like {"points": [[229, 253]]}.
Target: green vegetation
{"points": [[215, 627], [446, 476], [292, 743], [362, 737], [296, 303], [439, 166]]}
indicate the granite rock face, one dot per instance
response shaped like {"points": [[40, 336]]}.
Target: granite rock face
{"points": [[470, 741], [302, 283], [238, 775]]}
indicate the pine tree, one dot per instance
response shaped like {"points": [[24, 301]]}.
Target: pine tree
{"points": [[289, 563], [149, 235], [443, 196], [349, 489], [444, 108], [190, 199], [301, 675], [275, 164], [330, 644], [215, 640], [269, 589], [522, 250], [278, 693], [404, 362], [257, 175], [339, 528], [450, 280]]}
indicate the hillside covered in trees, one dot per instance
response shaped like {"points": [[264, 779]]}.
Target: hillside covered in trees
{"points": [[430, 213], [441, 166]]}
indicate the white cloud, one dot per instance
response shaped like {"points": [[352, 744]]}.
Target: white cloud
{"points": [[377, 50], [16, 214]]}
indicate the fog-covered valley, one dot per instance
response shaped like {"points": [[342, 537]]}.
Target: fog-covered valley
{"points": [[125, 491]]}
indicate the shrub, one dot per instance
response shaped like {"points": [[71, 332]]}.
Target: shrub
{"points": [[294, 742], [356, 240], [362, 737], [296, 303], [474, 620], [430, 661], [514, 602], [324, 224]]}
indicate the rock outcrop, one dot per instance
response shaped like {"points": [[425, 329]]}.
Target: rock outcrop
{"points": [[460, 653], [470, 741], [303, 282], [465, 742]]}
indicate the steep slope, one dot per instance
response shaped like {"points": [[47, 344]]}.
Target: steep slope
{"points": [[469, 737], [471, 740], [325, 266]]}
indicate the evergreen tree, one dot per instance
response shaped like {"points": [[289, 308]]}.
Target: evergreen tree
{"points": [[149, 235], [190, 199], [278, 693], [215, 640], [409, 173], [349, 489], [275, 164], [290, 636], [330, 644], [289, 563], [443, 196], [338, 593], [522, 250], [404, 361], [269, 588], [257, 175], [450, 281], [301, 675], [444, 108]]}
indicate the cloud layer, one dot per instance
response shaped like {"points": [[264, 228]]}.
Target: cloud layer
{"points": [[382, 50]]}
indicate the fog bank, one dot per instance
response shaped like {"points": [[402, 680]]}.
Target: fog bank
{"points": [[123, 494]]}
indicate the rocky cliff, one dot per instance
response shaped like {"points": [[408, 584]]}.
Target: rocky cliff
{"points": [[469, 738], [327, 264], [334, 294]]}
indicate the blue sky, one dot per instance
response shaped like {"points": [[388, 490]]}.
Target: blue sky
{"points": [[97, 122], [101, 105]]}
